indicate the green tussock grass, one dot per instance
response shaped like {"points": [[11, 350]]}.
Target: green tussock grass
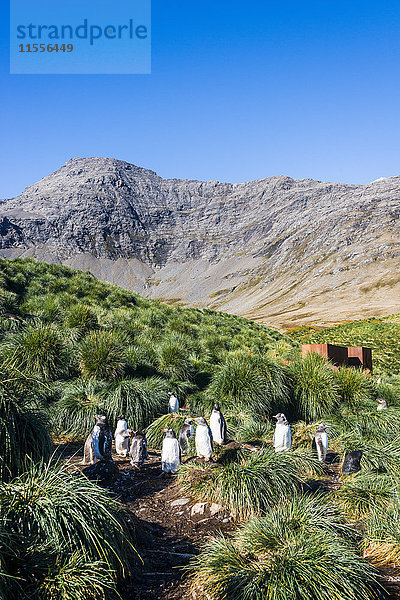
{"points": [[74, 346], [300, 549], [67, 535], [250, 483]]}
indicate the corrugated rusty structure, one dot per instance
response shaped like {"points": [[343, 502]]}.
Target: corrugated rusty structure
{"points": [[354, 356], [359, 356], [335, 354]]}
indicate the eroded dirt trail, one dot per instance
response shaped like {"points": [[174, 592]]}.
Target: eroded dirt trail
{"points": [[170, 527]]}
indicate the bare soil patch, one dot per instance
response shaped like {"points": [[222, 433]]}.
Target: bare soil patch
{"points": [[167, 536]]}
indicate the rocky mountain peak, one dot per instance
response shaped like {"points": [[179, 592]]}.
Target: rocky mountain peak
{"points": [[281, 250]]}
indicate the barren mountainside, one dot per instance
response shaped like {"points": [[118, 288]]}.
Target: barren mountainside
{"points": [[278, 250]]}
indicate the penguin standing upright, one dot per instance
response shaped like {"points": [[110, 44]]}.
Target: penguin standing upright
{"points": [[121, 437], [382, 404], [282, 434], [170, 453], [186, 432], [173, 403], [138, 451], [218, 425], [98, 445], [203, 439], [320, 442]]}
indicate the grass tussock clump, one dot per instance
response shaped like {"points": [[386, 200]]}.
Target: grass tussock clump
{"points": [[382, 539], [315, 388], [101, 355], [251, 482], [250, 381], [72, 578], [24, 436], [365, 494], [65, 534], [37, 352], [251, 431], [140, 400], [355, 386], [80, 400], [154, 433], [302, 549], [173, 357]]}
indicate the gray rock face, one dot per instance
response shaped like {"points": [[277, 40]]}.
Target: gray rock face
{"points": [[277, 250]]}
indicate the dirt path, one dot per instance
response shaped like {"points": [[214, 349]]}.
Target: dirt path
{"points": [[167, 535]]}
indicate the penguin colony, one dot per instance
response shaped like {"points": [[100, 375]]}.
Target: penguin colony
{"points": [[98, 446]]}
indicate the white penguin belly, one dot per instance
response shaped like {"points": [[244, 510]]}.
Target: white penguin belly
{"points": [[282, 438], [203, 442], [324, 440], [215, 426], [173, 405], [170, 455], [121, 444], [121, 441]]}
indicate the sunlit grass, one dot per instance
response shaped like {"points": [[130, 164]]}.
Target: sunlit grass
{"points": [[301, 549], [250, 484]]}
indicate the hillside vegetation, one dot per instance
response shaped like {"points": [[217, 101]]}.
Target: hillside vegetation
{"points": [[88, 345], [382, 335], [71, 347]]}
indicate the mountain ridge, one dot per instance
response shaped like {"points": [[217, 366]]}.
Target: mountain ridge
{"points": [[279, 250]]}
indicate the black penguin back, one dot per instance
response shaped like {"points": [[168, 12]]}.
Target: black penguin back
{"points": [[223, 428], [138, 451], [184, 436], [351, 463], [211, 438], [105, 443]]}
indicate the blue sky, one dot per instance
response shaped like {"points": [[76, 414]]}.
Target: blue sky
{"points": [[238, 91]]}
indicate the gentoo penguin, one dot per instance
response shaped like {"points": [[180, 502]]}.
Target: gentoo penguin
{"points": [[382, 404], [98, 445], [170, 453], [218, 425], [121, 436], [320, 442], [187, 430], [203, 439], [173, 404], [351, 463], [282, 434], [138, 452]]}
